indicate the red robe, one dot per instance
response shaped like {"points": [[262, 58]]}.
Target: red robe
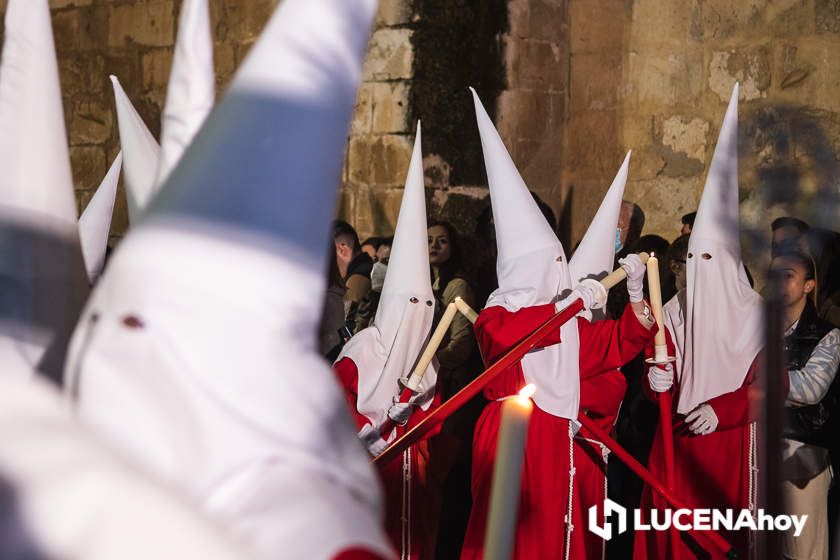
{"points": [[541, 528], [420, 499], [711, 471], [600, 399]]}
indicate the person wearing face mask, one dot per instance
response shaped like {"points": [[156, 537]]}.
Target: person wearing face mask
{"points": [[534, 283], [716, 363], [813, 349], [366, 310]]}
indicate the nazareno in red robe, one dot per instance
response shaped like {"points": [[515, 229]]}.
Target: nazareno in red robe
{"points": [[410, 498], [716, 470], [542, 530]]}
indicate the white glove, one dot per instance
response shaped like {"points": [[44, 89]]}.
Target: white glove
{"points": [[372, 440], [400, 412], [592, 292], [702, 420], [635, 269], [661, 378]]}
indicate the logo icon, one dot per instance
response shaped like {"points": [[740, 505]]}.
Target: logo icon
{"points": [[605, 531]]}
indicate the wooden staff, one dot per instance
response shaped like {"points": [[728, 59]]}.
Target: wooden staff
{"points": [[411, 385], [512, 356], [664, 398]]}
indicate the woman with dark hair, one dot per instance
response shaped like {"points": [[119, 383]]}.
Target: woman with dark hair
{"points": [[448, 282], [459, 363]]}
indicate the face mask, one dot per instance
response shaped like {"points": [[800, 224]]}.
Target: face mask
{"points": [[377, 276], [618, 244]]}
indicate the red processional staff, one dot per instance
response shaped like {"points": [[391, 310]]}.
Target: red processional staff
{"points": [[514, 355]]}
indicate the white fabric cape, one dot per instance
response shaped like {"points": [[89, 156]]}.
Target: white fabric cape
{"points": [[532, 270], [724, 326], [388, 350], [75, 498]]}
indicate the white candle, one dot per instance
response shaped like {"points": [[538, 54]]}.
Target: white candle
{"points": [[413, 382], [655, 293], [507, 475]]}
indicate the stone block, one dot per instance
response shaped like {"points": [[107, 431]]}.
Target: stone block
{"points": [[536, 64], [58, 4], [686, 135], [390, 156], [83, 75], [89, 166], [390, 107], [593, 150], [362, 122], [827, 16], [813, 79], [725, 19], [596, 81], [664, 200], [358, 160], [749, 67], [390, 55], [597, 25], [155, 66], [392, 13], [91, 122], [676, 22], [149, 23], [664, 78], [224, 62]]}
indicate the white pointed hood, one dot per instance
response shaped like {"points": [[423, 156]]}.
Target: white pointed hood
{"points": [[595, 254], [41, 268], [388, 350], [95, 223], [532, 270], [203, 362], [141, 154], [718, 350], [192, 86], [75, 498]]}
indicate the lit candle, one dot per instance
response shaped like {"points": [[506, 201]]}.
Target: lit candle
{"points": [[655, 293], [507, 475]]}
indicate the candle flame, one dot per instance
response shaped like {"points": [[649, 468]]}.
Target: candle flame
{"points": [[528, 391], [652, 254]]}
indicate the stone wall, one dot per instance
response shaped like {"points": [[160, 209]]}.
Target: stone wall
{"points": [[572, 85]]}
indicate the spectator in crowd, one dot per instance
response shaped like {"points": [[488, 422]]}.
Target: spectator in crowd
{"points": [[459, 363], [330, 339], [790, 234], [366, 310], [677, 253], [631, 221], [354, 267], [370, 246], [688, 223], [813, 353]]}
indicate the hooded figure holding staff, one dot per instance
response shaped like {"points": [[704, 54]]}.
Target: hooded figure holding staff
{"points": [[375, 365], [715, 329], [534, 283]]}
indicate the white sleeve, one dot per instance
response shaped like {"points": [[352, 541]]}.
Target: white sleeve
{"points": [[810, 384]]}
